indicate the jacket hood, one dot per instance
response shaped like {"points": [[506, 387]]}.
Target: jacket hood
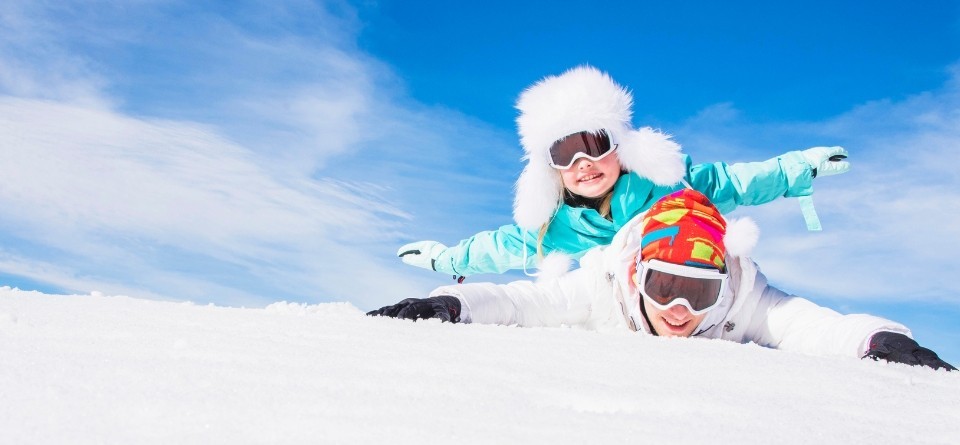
{"points": [[582, 99]]}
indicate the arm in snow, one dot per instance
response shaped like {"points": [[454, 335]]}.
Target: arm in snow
{"points": [[569, 301], [752, 183], [791, 323]]}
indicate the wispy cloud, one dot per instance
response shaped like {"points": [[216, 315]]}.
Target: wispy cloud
{"points": [[244, 165], [891, 228], [125, 195]]}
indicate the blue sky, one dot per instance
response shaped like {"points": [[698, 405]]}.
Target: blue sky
{"points": [[243, 153]]}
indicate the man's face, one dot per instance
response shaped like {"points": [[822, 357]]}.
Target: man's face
{"points": [[676, 321]]}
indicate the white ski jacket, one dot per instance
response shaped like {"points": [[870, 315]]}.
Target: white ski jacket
{"points": [[600, 296]]}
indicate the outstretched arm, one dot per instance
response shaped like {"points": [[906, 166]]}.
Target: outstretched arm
{"points": [[573, 299], [508, 247], [753, 183], [527, 303], [796, 324], [493, 251]]}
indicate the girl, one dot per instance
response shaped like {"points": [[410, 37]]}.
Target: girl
{"points": [[588, 172]]}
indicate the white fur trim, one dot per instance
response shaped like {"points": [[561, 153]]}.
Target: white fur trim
{"points": [[741, 237], [653, 155], [582, 99], [538, 194], [553, 267]]}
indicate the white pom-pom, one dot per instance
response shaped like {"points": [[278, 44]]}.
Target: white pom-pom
{"points": [[553, 267], [741, 237]]}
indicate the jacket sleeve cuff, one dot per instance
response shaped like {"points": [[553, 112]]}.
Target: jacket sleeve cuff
{"points": [[443, 263], [799, 174]]}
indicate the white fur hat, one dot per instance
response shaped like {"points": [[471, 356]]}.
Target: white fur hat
{"points": [[582, 99]]}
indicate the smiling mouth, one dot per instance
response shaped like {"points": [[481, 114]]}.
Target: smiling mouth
{"points": [[674, 325], [590, 177]]}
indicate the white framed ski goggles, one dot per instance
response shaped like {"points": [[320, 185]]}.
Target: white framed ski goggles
{"points": [[665, 285], [593, 146]]}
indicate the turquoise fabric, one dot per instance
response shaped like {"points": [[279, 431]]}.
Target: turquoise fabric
{"points": [[575, 230]]}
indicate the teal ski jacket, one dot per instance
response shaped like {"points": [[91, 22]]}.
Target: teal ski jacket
{"points": [[574, 230]]}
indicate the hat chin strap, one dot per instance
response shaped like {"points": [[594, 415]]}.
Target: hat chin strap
{"points": [[646, 318]]}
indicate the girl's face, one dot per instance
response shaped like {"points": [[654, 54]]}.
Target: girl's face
{"points": [[591, 179]]}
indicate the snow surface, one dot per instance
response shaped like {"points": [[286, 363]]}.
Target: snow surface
{"points": [[100, 369]]}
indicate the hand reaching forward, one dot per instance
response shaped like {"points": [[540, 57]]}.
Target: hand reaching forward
{"points": [[444, 307]]}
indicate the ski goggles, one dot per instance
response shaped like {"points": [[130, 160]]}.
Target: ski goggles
{"points": [[665, 285], [566, 151]]}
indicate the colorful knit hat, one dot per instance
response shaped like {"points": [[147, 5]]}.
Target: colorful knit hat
{"points": [[684, 228]]}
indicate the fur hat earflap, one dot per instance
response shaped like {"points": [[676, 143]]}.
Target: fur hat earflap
{"points": [[653, 155], [741, 237], [538, 192], [582, 99]]}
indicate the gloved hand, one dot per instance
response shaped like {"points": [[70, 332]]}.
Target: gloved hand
{"points": [[421, 253], [444, 307], [898, 348], [826, 161]]}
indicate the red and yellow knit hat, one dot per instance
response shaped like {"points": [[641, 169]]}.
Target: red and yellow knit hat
{"points": [[684, 228]]}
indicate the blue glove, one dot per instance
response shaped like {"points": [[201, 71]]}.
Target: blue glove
{"points": [[826, 161], [422, 254]]}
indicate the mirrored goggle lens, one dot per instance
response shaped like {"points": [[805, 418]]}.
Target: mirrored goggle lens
{"points": [[563, 151], [663, 288]]}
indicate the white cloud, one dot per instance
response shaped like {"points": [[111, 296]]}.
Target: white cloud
{"points": [[90, 181], [890, 224], [244, 165], [34, 66]]}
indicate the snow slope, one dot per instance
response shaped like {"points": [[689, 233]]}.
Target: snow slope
{"points": [[98, 369]]}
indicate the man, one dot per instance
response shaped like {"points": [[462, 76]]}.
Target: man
{"points": [[677, 270]]}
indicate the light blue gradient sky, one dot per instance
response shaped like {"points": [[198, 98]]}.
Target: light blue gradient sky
{"points": [[242, 153]]}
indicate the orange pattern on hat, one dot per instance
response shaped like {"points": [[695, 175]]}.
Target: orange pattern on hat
{"points": [[684, 228]]}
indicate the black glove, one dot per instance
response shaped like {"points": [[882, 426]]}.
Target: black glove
{"points": [[898, 348], [444, 307]]}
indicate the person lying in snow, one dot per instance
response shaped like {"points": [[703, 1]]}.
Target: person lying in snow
{"points": [[588, 172], [677, 270]]}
